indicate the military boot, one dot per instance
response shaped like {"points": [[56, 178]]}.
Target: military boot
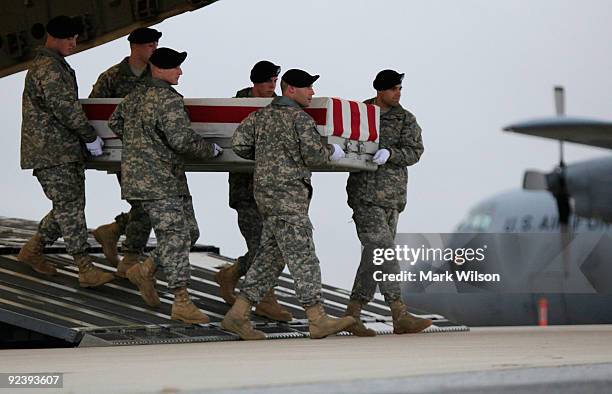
{"points": [[90, 275], [404, 322], [236, 320], [143, 276], [358, 329], [184, 310], [107, 236], [32, 254], [127, 262], [321, 325], [227, 278], [270, 308]]}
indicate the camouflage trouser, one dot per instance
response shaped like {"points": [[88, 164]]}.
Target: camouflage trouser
{"points": [[64, 185], [176, 230], [376, 228], [285, 240], [250, 223], [136, 226]]}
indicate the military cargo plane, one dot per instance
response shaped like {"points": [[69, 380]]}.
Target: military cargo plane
{"points": [[568, 212]]}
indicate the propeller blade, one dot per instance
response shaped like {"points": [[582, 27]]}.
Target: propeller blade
{"points": [[560, 100], [534, 180], [557, 185]]}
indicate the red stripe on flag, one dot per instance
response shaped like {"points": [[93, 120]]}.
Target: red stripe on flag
{"points": [[318, 114], [338, 123], [218, 114], [372, 122], [355, 121], [99, 111], [235, 114], [203, 113]]}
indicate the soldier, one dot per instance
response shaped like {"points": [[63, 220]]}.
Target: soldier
{"points": [[264, 76], [53, 131], [155, 129], [378, 197], [284, 141], [119, 81]]}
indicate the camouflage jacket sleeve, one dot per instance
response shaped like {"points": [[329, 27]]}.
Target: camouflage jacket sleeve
{"points": [[410, 146], [65, 106], [175, 125], [243, 141], [115, 123], [313, 151]]}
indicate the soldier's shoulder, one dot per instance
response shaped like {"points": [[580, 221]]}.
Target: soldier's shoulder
{"points": [[244, 93], [45, 63], [408, 115], [165, 98], [162, 92], [44, 67], [400, 112], [111, 72], [136, 94], [301, 116]]}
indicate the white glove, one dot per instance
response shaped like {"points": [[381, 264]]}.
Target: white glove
{"points": [[381, 156], [338, 153], [217, 150], [95, 148]]}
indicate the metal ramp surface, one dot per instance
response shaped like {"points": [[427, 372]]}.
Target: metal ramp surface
{"points": [[116, 315]]}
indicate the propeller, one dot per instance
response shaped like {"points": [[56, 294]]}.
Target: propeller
{"points": [[556, 181]]}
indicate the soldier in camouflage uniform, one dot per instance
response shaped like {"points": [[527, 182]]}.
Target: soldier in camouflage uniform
{"points": [[118, 81], [378, 197], [155, 129], [284, 141], [53, 134], [264, 76]]}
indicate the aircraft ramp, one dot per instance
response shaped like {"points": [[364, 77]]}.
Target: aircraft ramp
{"points": [[57, 309]]}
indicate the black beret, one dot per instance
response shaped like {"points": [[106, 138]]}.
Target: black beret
{"points": [[64, 27], [167, 58], [299, 78], [386, 79], [144, 35], [264, 70]]}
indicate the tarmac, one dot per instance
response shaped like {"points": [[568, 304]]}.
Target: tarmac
{"points": [[563, 359]]}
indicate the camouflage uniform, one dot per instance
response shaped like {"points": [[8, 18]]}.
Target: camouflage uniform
{"points": [[378, 197], [155, 129], [119, 81], [53, 131], [284, 141], [241, 198]]}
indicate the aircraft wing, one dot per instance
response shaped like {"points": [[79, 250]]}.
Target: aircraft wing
{"points": [[22, 23], [579, 130]]}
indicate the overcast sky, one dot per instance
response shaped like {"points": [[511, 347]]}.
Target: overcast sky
{"points": [[472, 66]]}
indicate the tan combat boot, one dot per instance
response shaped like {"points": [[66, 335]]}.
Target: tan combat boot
{"points": [[236, 320], [32, 254], [127, 262], [358, 329], [270, 308], [184, 310], [90, 275], [227, 278], [321, 325], [404, 322], [143, 276], [107, 236]]}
